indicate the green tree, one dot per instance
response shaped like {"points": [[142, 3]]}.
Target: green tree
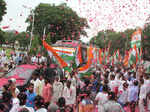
{"points": [[110, 37], [60, 21], [146, 42], [35, 46], [2, 39], [117, 40], [23, 39], [99, 40], [10, 38], [3, 9], [127, 34]]}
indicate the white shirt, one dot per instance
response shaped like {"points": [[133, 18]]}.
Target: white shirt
{"points": [[15, 105], [73, 95], [43, 59], [14, 58], [102, 98], [4, 59], [33, 59], [147, 83], [143, 92], [123, 96], [112, 84], [112, 106], [41, 110], [57, 90], [17, 91], [38, 86], [2, 52], [126, 75], [29, 108], [68, 95], [148, 105]]}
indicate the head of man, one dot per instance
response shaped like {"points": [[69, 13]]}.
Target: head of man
{"points": [[68, 83], [31, 87]]}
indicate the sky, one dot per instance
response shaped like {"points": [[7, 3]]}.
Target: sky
{"points": [[100, 14]]}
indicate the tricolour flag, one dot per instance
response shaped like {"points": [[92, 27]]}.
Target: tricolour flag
{"points": [[53, 52], [86, 67], [133, 58], [126, 58], [117, 57], [79, 56], [136, 38], [100, 56], [67, 54], [135, 45]]}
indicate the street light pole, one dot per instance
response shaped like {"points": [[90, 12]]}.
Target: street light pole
{"points": [[44, 33], [31, 31]]}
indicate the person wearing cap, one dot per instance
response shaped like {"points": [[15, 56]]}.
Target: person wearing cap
{"points": [[15, 100], [11, 82]]}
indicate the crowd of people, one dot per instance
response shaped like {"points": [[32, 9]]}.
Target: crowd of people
{"points": [[108, 89], [17, 58]]}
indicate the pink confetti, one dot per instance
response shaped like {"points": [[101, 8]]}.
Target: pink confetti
{"points": [[5, 27], [114, 14]]}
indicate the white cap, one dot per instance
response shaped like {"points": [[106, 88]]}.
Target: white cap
{"points": [[13, 80]]}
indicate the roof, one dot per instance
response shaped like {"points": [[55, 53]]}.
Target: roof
{"points": [[67, 43]]}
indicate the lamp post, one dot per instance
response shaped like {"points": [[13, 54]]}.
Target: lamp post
{"points": [[32, 28]]}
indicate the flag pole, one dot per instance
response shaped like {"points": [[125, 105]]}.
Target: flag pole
{"points": [[44, 33]]}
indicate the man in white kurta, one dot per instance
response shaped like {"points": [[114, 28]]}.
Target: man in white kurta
{"points": [[142, 96], [69, 93], [57, 89]]}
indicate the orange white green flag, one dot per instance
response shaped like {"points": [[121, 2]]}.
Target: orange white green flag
{"points": [[52, 51], [134, 55], [90, 56], [136, 39]]}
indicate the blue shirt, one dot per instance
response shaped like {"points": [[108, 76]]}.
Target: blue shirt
{"points": [[94, 86], [101, 88], [30, 99]]}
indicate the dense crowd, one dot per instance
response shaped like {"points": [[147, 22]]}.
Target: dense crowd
{"points": [[107, 89]]}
